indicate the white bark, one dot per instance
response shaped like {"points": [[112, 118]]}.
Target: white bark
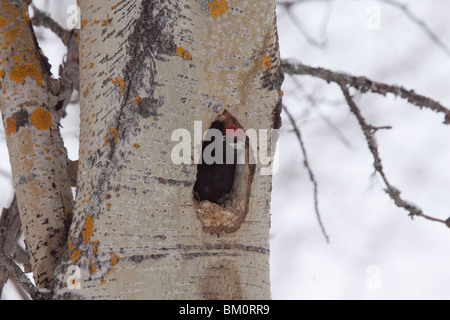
{"points": [[148, 68], [37, 154]]}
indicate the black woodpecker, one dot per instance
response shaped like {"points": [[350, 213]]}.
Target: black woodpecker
{"points": [[216, 172]]}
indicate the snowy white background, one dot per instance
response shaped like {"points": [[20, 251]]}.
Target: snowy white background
{"points": [[376, 250]]}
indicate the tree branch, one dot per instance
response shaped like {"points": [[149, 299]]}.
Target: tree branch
{"points": [[46, 213], [310, 172], [40, 18], [69, 72], [19, 277], [10, 232], [368, 130], [299, 25], [364, 84]]}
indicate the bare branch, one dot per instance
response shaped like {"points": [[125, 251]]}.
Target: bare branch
{"points": [[315, 102], [368, 130], [303, 30], [10, 231], [308, 168], [69, 73], [364, 84], [19, 277], [40, 18]]}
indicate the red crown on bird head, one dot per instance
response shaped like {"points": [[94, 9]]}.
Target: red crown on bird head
{"points": [[231, 131]]}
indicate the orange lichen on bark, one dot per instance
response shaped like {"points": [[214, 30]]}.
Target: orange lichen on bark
{"points": [[13, 33], [83, 23], [20, 71], [113, 133], [89, 86], [181, 52], [114, 260], [41, 119], [88, 229], [106, 21], [218, 7], [116, 81], [266, 62], [92, 268], [3, 22], [10, 125], [70, 245], [17, 59], [76, 255]]}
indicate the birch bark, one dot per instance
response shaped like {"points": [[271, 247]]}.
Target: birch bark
{"points": [[38, 158], [148, 68]]}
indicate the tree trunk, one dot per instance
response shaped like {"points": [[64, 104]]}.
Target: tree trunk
{"points": [[152, 73]]}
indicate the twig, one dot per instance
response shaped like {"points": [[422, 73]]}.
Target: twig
{"points": [[19, 277], [40, 18], [314, 102], [364, 84], [311, 174], [69, 72], [320, 44], [368, 130]]}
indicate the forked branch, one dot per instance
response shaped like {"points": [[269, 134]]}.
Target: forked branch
{"points": [[19, 277], [364, 84], [392, 191]]}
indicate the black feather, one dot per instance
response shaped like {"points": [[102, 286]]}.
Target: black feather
{"points": [[215, 180]]}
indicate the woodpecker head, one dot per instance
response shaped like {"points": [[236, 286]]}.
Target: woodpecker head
{"points": [[234, 133]]}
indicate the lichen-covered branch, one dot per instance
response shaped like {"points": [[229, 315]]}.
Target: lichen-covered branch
{"points": [[37, 154], [9, 234], [364, 84], [19, 277]]}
